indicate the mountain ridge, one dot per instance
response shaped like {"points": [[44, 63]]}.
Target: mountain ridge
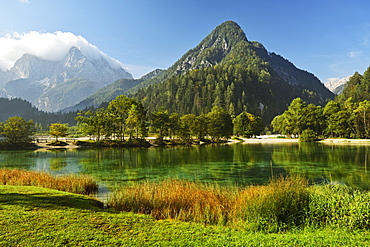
{"points": [[44, 78]]}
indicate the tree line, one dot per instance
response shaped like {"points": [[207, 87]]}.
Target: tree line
{"points": [[126, 117], [347, 119], [348, 116]]}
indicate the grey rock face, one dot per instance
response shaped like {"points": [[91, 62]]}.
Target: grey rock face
{"points": [[43, 82]]}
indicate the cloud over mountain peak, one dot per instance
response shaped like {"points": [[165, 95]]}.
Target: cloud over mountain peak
{"points": [[48, 46]]}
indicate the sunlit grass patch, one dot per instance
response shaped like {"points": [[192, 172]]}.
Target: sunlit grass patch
{"points": [[79, 184]]}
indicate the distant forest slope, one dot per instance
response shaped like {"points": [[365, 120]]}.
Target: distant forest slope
{"points": [[22, 108]]}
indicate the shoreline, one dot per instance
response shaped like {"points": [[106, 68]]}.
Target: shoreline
{"points": [[257, 140]]}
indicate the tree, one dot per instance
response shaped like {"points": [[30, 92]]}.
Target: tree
{"points": [[294, 116], [186, 123], [247, 125], [96, 123], [174, 124], [219, 124], [118, 110], [58, 130], [199, 127], [160, 123], [136, 121], [362, 114], [16, 130], [338, 119]]}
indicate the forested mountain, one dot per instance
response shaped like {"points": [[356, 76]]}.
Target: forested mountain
{"points": [[357, 87], [229, 71], [111, 91], [24, 109]]}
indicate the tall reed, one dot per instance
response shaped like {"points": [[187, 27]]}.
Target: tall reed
{"points": [[284, 203], [78, 184], [339, 206], [175, 199], [280, 205]]}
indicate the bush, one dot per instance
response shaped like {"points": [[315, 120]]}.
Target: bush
{"points": [[308, 135]]}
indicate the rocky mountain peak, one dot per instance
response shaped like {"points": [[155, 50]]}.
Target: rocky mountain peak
{"points": [[44, 83], [212, 49], [336, 85]]}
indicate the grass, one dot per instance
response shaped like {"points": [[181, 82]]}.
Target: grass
{"points": [[283, 204], [293, 213], [33, 216], [79, 184], [175, 199]]}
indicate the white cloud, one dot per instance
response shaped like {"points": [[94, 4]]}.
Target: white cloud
{"points": [[49, 46], [354, 54], [23, 1]]}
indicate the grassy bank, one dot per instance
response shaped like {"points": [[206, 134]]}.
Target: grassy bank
{"points": [[283, 204], [32, 216], [285, 212]]}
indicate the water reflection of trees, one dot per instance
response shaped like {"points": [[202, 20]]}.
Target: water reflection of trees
{"points": [[338, 163], [225, 164], [17, 159]]}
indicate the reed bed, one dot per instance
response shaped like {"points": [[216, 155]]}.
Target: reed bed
{"points": [[339, 206], [79, 184], [284, 203], [175, 199], [280, 205]]}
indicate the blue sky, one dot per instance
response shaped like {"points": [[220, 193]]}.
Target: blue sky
{"points": [[329, 38]]}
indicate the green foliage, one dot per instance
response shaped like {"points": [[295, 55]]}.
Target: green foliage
{"points": [[283, 204], [122, 116], [160, 122], [247, 125], [18, 107], [298, 117], [219, 124], [58, 130], [280, 205], [16, 130], [339, 206], [337, 119], [308, 135], [357, 88]]}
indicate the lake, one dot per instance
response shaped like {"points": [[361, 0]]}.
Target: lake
{"points": [[230, 164]]}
